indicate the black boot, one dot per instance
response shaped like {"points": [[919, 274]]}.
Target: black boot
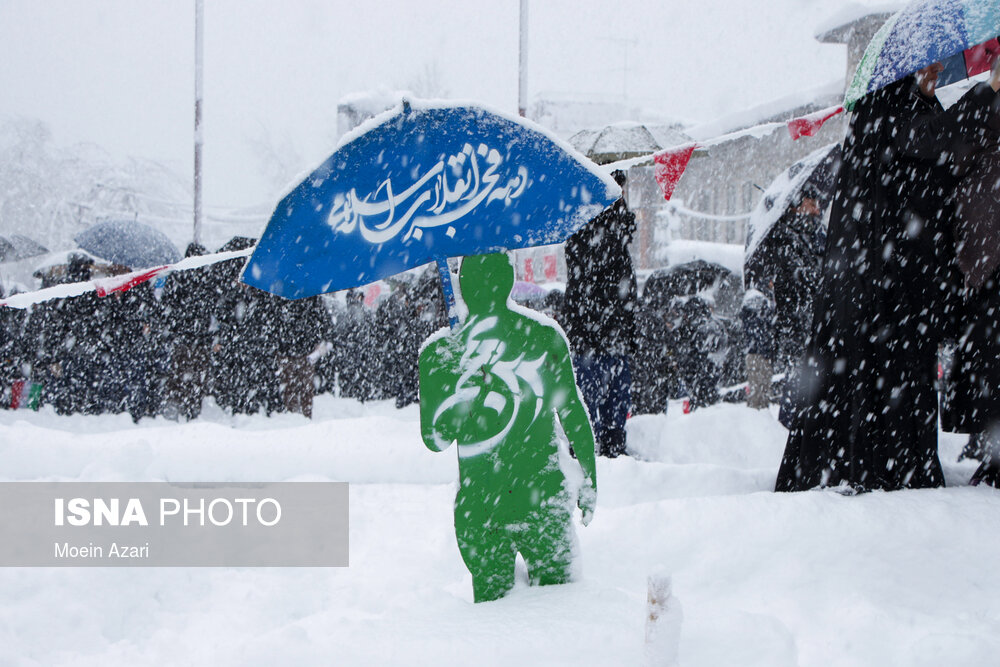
{"points": [[973, 448], [987, 473]]}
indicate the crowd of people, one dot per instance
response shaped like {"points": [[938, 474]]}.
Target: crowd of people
{"points": [[854, 318], [895, 289], [162, 349], [633, 353], [855, 315]]}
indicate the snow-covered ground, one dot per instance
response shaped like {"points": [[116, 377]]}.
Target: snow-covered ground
{"points": [[764, 579]]}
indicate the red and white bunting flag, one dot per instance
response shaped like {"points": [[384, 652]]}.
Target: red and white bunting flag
{"points": [[551, 268], [529, 270], [106, 286], [808, 125], [670, 163]]}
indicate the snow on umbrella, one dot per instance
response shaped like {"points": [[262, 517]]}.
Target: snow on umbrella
{"points": [[619, 141], [958, 33], [422, 183], [819, 168], [16, 247], [683, 280], [128, 243]]}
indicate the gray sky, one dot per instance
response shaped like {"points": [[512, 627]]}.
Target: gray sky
{"points": [[119, 73]]}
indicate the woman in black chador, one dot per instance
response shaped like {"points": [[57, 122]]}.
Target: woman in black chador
{"points": [[866, 411]]}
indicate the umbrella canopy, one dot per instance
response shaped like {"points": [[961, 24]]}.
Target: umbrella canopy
{"points": [[817, 171], [926, 32], [620, 141], [16, 247], [128, 243], [687, 279], [422, 183]]}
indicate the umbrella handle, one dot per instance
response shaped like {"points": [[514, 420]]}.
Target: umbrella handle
{"points": [[449, 291]]}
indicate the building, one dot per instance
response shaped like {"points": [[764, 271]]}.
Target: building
{"points": [[722, 185]]}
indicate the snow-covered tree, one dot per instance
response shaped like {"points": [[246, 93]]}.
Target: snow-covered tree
{"points": [[51, 193]]}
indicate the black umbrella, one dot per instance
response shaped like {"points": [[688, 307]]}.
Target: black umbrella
{"points": [[815, 174], [128, 243], [687, 279], [16, 247]]}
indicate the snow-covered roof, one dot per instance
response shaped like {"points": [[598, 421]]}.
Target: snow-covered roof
{"points": [[836, 26], [781, 108]]}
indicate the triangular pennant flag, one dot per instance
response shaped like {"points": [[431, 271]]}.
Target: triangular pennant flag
{"points": [[670, 166], [126, 282], [808, 125]]}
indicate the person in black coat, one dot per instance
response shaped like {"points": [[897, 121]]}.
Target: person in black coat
{"points": [[432, 316], [249, 327], [325, 366], [974, 399], [866, 416], [40, 340], [654, 364], [302, 328], [700, 338], [12, 351], [794, 251], [355, 352], [757, 318], [973, 394], [599, 315], [399, 339], [77, 347], [244, 348], [553, 305], [136, 356], [189, 300]]}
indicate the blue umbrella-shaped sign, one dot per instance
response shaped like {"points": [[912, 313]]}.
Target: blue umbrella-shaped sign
{"points": [[423, 183]]}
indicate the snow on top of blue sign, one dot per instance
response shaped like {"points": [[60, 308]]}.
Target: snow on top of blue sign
{"points": [[375, 121], [425, 104], [423, 180]]}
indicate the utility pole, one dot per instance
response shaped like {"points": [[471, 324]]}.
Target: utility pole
{"points": [[522, 70], [625, 44], [199, 17]]}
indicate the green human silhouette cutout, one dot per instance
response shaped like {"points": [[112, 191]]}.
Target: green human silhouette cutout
{"points": [[496, 386]]}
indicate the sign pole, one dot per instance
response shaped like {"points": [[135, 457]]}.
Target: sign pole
{"points": [[522, 79], [449, 292], [199, 15]]}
